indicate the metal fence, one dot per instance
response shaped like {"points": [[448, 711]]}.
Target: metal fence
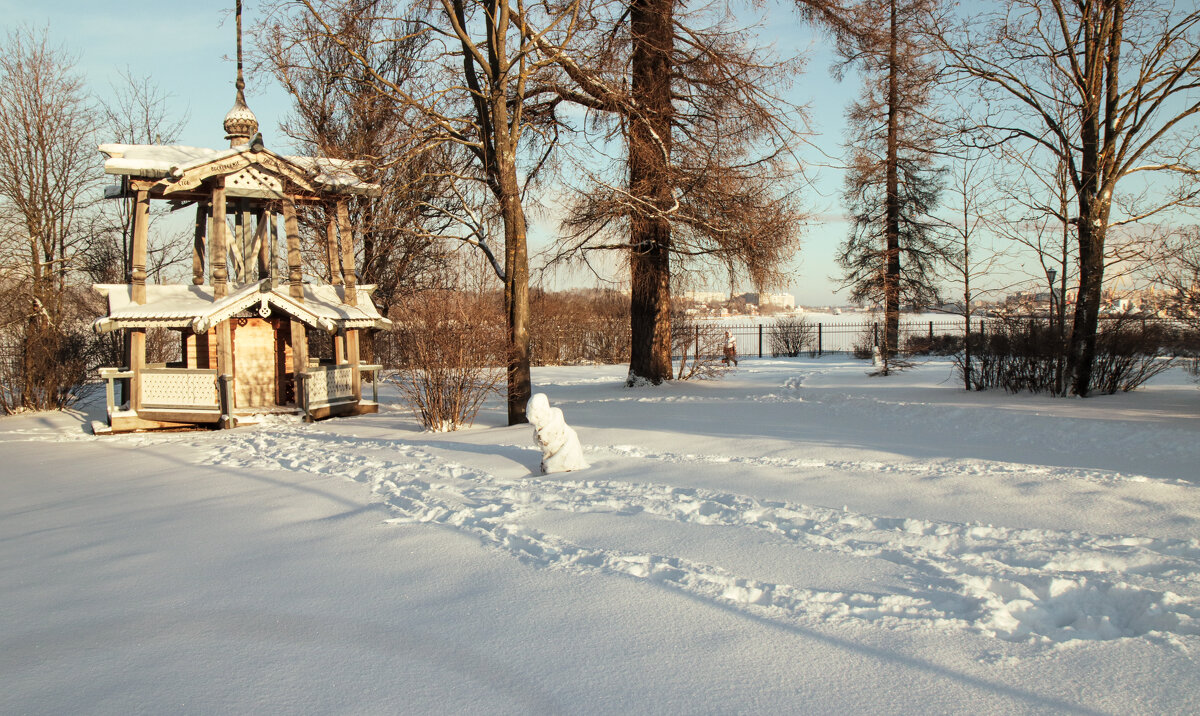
{"points": [[849, 337], [760, 340], [553, 344]]}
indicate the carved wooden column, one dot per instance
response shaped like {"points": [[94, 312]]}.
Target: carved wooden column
{"points": [[224, 332], [199, 245], [137, 336], [241, 243], [347, 237], [296, 291], [141, 226], [263, 233], [292, 228], [220, 271], [352, 356], [331, 246]]}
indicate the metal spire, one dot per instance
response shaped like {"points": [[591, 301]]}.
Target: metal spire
{"points": [[240, 122]]}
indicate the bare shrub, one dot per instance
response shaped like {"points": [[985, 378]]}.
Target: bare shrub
{"points": [[1028, 355], [1017, 355], [699, 347], [580, 327], [44, 361], [865, 342], [942, 344], [452, 358], [791, 336], [1130, 352]]}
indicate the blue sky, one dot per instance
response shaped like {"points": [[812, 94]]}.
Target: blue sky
{"points": [[185, 48]]}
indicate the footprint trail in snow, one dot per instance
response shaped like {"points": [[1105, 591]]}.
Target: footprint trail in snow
{"points": [[1035, 585]]}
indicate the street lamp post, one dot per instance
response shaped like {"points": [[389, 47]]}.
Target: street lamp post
{"points": [[1051, 274]]}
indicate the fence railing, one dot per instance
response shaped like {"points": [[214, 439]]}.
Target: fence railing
{"points": [[823, 337], [572, 343]]}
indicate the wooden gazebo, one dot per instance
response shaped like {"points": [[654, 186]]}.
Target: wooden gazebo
{"points": [[244, 325]]}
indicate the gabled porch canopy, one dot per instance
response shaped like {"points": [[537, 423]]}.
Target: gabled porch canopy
{"points": [[183, 306]]}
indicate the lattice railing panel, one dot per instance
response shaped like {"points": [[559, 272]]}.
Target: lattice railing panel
{"points": [[326, 386], [179, 388]]}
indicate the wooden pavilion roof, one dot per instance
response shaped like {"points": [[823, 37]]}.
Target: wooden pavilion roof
{"points": [[180, 173]]}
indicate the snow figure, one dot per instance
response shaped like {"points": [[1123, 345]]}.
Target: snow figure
{"points": [[561, 451]]}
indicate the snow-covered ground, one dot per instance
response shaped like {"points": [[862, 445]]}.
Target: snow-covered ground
{"points": [[798, 537]]}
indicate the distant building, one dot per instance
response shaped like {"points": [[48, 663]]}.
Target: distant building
{"points": [[779, 300], [704, 296], [775, 300]]}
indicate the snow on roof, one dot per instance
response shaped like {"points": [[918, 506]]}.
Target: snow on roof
{"points": [[179, 305], [151, 160], [156, 161]]}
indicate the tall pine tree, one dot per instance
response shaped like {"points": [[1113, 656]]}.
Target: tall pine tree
{"points": [[893, 183]]}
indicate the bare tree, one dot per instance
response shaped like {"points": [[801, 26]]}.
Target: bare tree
{"points": [[136, 111], [1125, 73], [705, 175], [1177, 260], [893, 184], [48, 171], [337, 112], [971, 259], [482, 62]]}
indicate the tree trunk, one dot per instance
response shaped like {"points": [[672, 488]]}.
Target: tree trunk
{"points": [[516, 262], [891, 275], [1081, 349], [516, 298], [650, 186], [1094, 195]]}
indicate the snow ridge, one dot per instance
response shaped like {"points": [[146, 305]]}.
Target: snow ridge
{"points": [[917, 466], [1030, 585]]}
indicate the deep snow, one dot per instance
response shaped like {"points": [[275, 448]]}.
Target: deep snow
{"points": [[797, 537]]}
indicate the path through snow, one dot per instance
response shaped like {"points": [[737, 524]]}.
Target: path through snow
{"points": [[1037, 585]]}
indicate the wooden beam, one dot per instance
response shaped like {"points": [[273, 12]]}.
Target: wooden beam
{"points": [[241, 253], [347, 238], [125, 424], [180, 416], [220, 270], [141, 227]]}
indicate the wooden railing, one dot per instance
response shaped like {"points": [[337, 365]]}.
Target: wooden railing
{"points": [[179, 389], [326, 386], [329, 386]]}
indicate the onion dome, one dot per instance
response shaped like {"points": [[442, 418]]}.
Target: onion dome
{"points": [[240, 122]]}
